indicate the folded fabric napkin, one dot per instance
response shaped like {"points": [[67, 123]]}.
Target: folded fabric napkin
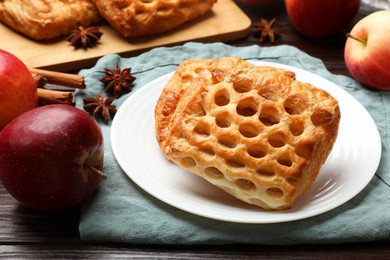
{"points": [[120, 211]]}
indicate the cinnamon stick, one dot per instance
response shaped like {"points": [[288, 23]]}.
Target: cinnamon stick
{"points": [[58, 78], [40, 80], [49, 96]]}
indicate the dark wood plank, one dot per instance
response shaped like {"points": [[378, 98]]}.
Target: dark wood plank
{"points": [[19, 224], [111, 251]]}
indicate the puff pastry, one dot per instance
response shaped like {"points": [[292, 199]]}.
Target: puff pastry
{"points": [[255, 132], [146, 17], [47, 19]]}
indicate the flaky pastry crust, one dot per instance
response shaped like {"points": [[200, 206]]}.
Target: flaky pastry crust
{"points": [[146, 17], [47, 19], [253, 131]]}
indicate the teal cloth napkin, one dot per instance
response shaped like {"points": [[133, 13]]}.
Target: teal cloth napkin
{"points": [[120, 211]]}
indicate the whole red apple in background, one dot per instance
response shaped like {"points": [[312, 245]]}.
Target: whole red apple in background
{"points": [[367, 50], [320, 18], [18, 91], [51, 157]]}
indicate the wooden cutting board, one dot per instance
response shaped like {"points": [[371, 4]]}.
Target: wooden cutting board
{"points": [[226, 22]]}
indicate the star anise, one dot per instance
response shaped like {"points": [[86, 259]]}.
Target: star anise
{"points": [[100, 107], [266, 30], [84, 37], [118, 80]]}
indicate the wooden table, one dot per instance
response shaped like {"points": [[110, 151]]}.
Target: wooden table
{"points": [[28, 234]]}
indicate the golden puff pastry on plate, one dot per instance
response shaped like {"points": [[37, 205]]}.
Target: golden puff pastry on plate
{"points": [[254, 132], [47, 19], [147, 17]]}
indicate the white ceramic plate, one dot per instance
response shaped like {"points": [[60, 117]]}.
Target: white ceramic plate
{"points": [[348, 169]]}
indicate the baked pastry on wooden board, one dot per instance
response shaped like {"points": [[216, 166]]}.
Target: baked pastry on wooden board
{"points": [[255, 132], [48, 19], [147, 17]]}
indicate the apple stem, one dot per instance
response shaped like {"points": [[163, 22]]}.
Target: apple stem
{"points": [[102, 174], [357, 39]]}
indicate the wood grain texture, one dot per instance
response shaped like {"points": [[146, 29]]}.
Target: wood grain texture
{"points": [[27, 234], [59, 55]]}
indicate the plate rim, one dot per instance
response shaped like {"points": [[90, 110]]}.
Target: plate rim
{"points": [[166, 76]]}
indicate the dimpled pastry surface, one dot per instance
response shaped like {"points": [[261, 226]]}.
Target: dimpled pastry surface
{"points": [[252, 131]]}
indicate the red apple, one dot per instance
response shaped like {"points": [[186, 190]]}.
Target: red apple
{"points": [[51, 157], [320, 18], [18, 91], [367, 50]]}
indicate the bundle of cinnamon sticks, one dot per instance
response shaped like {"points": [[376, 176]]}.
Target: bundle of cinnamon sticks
{"points": [[53, 96]]}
